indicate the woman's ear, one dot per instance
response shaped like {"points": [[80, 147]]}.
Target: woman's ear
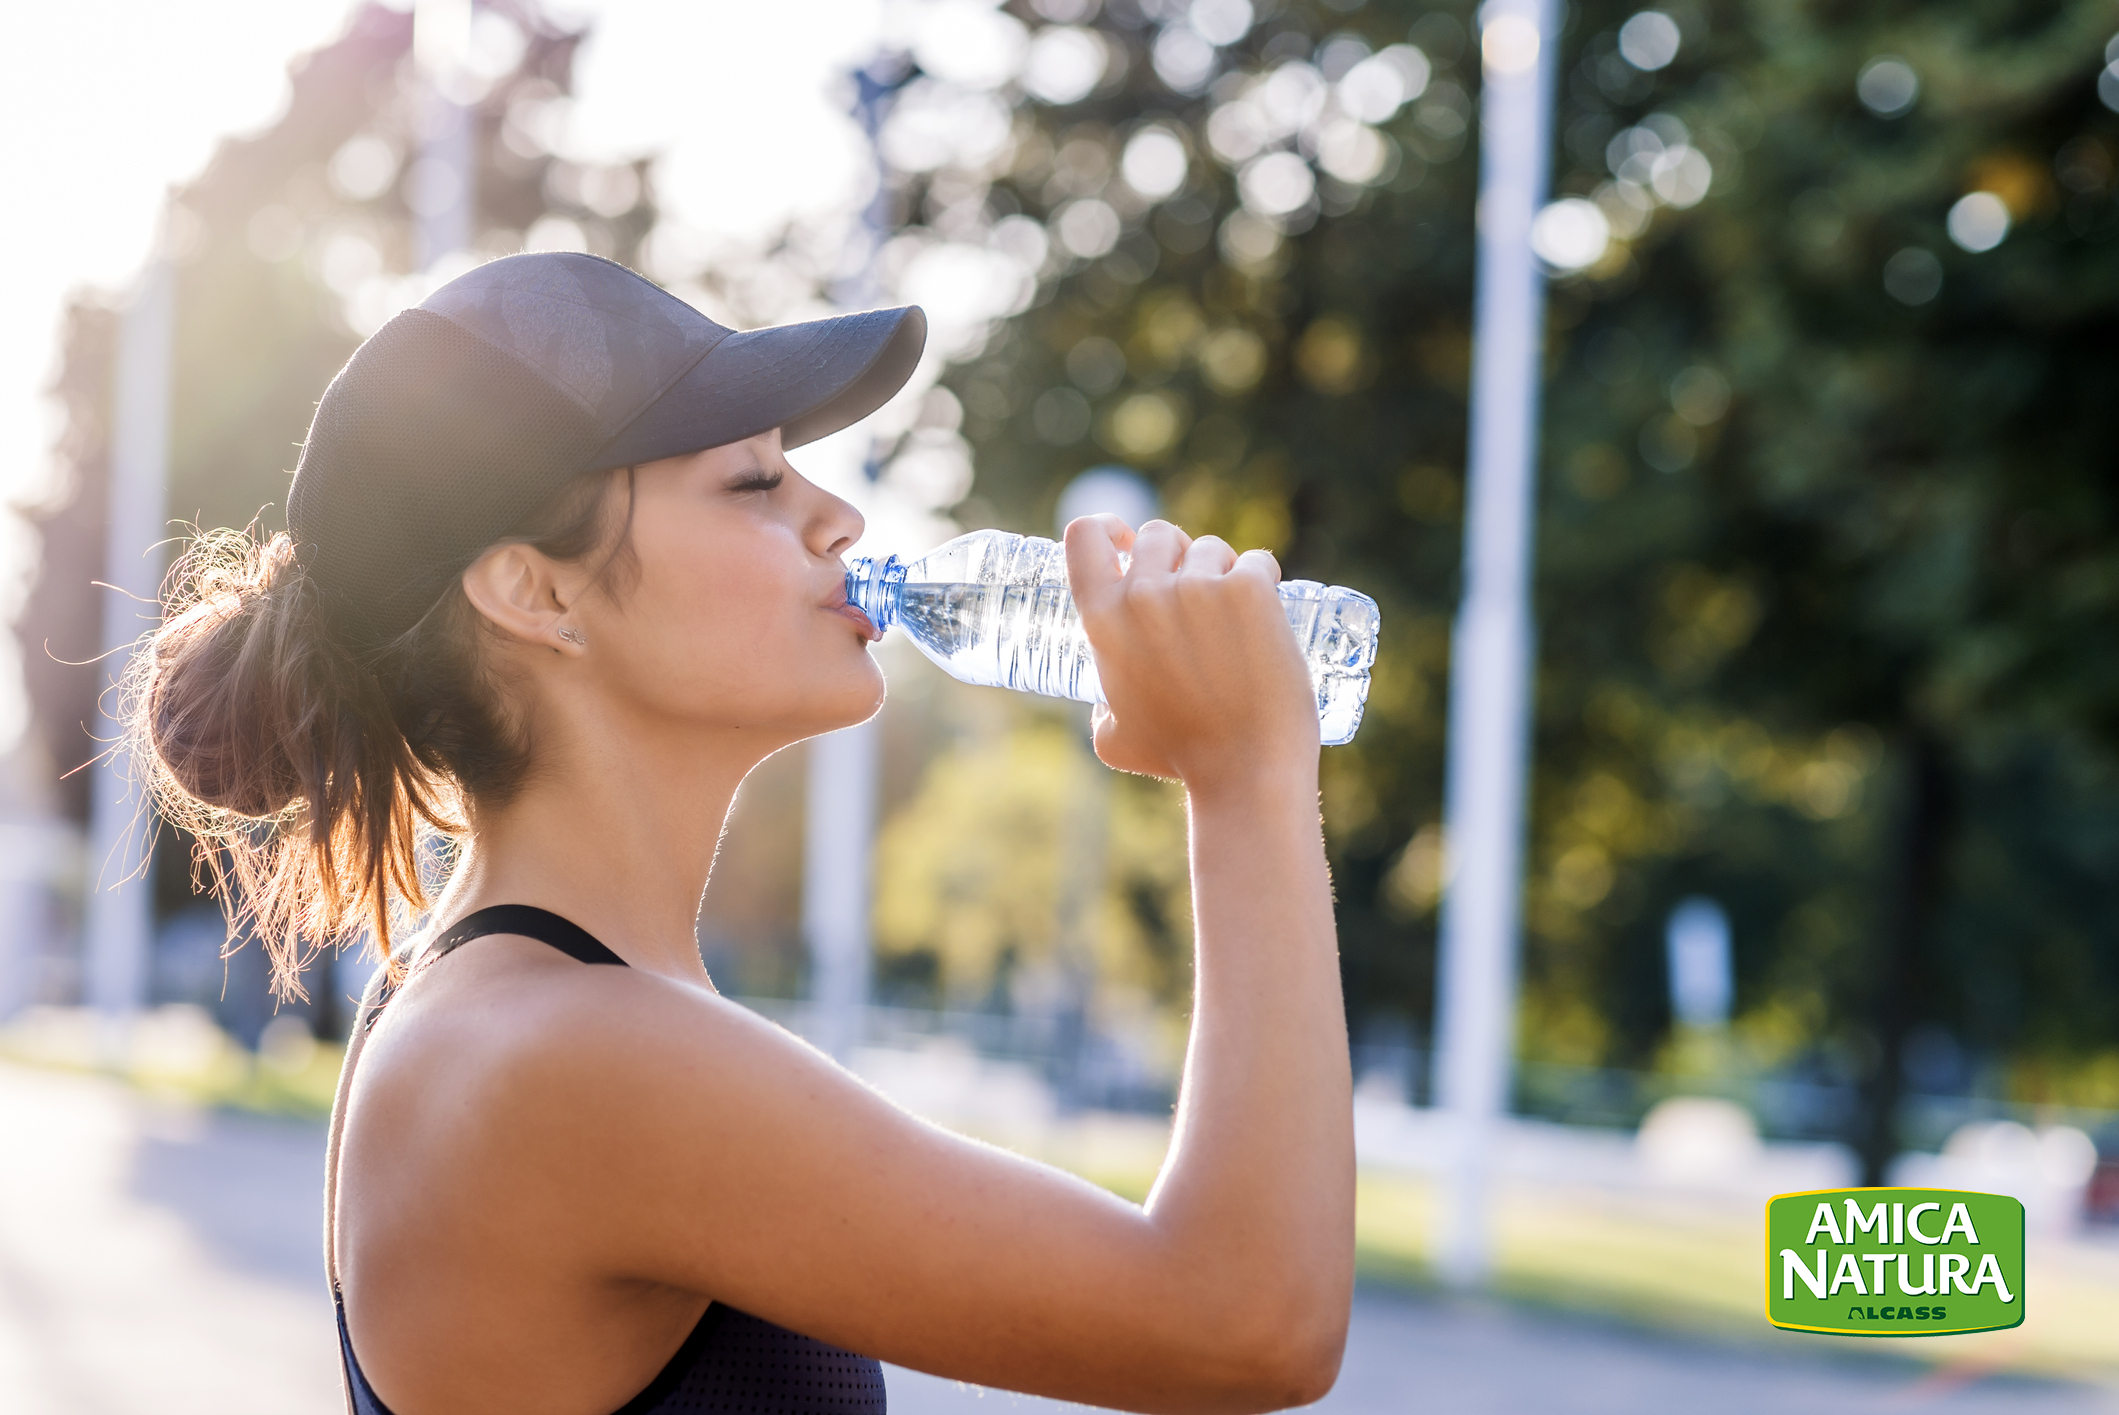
{"points": [[524, 595]]}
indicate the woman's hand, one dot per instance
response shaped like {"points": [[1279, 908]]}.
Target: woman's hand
{"points": [[1202, 673]]}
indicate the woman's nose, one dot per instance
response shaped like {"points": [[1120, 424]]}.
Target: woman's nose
{"points": [[837, 525]]}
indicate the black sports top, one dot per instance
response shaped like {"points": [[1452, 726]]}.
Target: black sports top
{"points": [[732, 1363]]}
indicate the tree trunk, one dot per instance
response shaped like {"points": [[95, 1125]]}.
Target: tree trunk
{"points": [[1916, 894]]}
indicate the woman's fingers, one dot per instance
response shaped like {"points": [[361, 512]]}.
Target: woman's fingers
{"points": [[1195, 654], [1115, 527], [1208, 555], [1259, 562], [1124, 751], [1159, 546], [1094, 544]]}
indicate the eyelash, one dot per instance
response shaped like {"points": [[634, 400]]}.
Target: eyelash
{"points": [[757, 481]]}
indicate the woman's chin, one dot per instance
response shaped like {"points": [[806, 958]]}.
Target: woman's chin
{"points": [[868, 704], [848, 704], [821, 703]]}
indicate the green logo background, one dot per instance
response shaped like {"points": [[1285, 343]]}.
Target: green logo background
{"points": [[1823, 1271]]}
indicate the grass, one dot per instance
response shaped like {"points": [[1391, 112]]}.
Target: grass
{"points": [[1680, 1267], [178, 1054]]}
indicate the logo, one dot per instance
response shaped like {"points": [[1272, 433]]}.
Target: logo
{"points": [[1894, 1262]]}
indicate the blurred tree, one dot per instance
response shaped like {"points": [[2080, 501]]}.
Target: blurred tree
{"points": [[1851, 333], [971, 872], [1826, 528], [292, 246], [61, 622]]}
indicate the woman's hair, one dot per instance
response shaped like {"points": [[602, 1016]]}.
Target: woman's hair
{"points": [[308, 774]]}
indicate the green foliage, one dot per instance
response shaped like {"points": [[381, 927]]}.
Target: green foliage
{"points": [[293, 244], [1020, 859], [296, 243], [1796, 533], [1837, 521]]}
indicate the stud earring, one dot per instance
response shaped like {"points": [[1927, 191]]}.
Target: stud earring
{"points": [[574, 636]]}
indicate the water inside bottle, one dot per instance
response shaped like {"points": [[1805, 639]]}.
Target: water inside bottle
{"points": [[1015, 625], [1026, 637]]}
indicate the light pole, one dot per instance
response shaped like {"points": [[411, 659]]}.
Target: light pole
{"points": [[1490, 671], [1084, 825], [839, 803], [443, 181]]}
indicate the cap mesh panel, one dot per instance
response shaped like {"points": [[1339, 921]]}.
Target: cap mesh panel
{"points": [[428, 446]]}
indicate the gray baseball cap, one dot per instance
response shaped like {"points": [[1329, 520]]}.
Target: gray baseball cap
{"points": [[463, 415]]}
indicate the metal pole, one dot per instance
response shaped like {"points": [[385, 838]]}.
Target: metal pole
{"points": [[840, 840], [118, 923], [445, 178], [1085, 823], [1489, 710], [840, 802]]}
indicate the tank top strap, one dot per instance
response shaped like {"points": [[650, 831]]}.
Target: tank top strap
{"points": [[529, 921]]}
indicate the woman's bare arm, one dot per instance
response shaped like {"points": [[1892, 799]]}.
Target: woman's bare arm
{"points": [[678, 1139]]}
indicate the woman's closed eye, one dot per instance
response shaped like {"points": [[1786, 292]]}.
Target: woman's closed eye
{"points": [[757, 480]]}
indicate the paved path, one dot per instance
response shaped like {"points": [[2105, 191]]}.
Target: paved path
{"points": [[156, 1261], [1408, 1355]]}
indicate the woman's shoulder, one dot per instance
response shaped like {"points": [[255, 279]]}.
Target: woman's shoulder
{"points": [[514, 1025]]}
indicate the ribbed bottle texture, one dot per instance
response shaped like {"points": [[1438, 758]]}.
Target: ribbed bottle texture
{"points": [[993, 609]]}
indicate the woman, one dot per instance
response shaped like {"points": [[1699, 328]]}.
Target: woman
{"points": [[552, 587]]}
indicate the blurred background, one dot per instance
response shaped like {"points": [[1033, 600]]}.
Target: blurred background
{"points": [[1823, 737]]}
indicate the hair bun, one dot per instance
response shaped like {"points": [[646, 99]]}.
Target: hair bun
{"points": [[308, 776], [230, 696]]}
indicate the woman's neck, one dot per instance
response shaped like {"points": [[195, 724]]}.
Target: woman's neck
{"points": [[619, 841]]}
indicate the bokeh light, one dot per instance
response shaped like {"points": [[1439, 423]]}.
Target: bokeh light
{"points": [[1096, 364], [1681, 175], [1183, 58], [1355, 153], [1649, 41], [1570, 234], [1249, 243], [1377, 87], [1699, 395], [1509, 44], [1913, 276], [1979, 221], [1089, 227], [1221, 22], [363, 168], [1276, 184], [1155, 162], [1887, 86], [1064, 64]]}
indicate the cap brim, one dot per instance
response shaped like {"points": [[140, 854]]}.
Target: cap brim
{"points": [[806, 379]]}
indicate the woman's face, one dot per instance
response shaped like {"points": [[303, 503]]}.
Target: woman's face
{"points": [[736, 615]]}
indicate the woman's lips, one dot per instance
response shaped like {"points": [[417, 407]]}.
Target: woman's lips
{"points": [[839, 604]]}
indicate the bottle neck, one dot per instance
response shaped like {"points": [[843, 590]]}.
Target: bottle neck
{"points": [[874, 589]]}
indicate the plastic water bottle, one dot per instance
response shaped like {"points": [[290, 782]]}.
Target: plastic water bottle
{"points": [[994, 609]]}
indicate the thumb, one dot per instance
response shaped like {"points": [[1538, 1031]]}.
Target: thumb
{"points": [[1093, 547]]}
